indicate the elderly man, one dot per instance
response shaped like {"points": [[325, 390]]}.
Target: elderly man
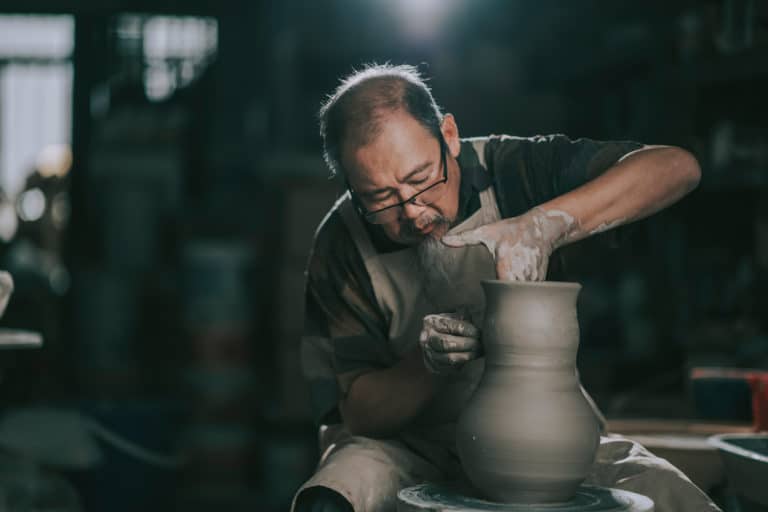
{"points": [[393, 295]]}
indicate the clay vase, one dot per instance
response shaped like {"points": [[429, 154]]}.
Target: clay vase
{"points": [[528, 434]]}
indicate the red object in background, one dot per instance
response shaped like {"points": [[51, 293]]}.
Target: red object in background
{"points": [[758, 382]]}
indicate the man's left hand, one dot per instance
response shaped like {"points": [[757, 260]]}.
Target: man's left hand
{"points": [[521, 246]]}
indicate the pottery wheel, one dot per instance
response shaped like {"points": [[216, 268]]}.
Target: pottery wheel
{"points": [[430, 497]]}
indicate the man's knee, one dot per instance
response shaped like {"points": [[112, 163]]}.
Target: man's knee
{"points": [[321, 499], [368, 473]]}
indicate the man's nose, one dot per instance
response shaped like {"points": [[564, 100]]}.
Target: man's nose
{"points": [[412, 210]]}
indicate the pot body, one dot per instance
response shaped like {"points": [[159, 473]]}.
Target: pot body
{"points": [[528, 434]]}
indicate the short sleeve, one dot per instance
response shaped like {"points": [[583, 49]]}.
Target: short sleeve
{"points": [[571, 163], [529, 171]]}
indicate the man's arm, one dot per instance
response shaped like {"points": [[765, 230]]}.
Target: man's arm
{"points": [[639, 184], [381, 402], [353, 375]]}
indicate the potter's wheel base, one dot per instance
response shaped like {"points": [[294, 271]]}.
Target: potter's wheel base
{"points": [[428, 497]]}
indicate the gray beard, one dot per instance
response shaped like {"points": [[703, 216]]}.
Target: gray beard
{"points": [[436, 261]]}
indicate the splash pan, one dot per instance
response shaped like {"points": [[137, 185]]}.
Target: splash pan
{"points": [[745, 457]]}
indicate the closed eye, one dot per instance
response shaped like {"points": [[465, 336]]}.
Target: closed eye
{"points": [[421, 178], [379, 196], [418, 177]]}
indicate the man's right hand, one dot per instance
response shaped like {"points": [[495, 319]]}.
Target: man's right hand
{"points": [[448, 342]]}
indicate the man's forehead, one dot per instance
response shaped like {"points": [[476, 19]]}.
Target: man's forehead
{"points": [[401, 145], [372, 169]]}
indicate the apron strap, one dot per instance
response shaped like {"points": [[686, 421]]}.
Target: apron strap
{"points": [[479, 146], [376, 272], [356, 228], [488, 203]]}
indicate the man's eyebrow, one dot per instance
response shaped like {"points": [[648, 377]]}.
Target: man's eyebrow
{"points": [[419, 168]]}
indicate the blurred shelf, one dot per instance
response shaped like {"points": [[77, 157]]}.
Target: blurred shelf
{"points": [[750, 179], [744, 66]]}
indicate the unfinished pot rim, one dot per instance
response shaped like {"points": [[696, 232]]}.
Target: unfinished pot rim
{"points": [[567, 285]]}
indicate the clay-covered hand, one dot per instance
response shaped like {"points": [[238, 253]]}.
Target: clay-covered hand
{"points": [[448, 342], [521, 246]]}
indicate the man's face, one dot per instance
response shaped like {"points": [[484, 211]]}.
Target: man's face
{"points": [[404, 159]]}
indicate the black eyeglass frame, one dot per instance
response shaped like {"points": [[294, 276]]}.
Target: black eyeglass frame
{"points": [[369, 216]]}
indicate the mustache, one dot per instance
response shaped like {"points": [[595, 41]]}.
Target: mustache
{"points": [[410, 227]]}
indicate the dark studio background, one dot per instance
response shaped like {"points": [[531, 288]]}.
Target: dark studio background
{"points": [[166, 268]]}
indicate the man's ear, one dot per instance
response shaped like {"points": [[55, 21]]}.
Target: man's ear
{"points": [[451, 134]]}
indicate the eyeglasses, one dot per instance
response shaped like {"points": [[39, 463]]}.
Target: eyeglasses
{"points": [[425, 197]]}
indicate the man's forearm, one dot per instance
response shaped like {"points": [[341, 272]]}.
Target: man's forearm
{"points": [[380, 403], [640, 184]]}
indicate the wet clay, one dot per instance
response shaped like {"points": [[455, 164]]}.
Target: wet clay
{"points": [[527, 434]]}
